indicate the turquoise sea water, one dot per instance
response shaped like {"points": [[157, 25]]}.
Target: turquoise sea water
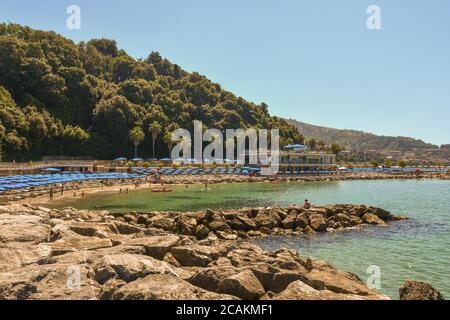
{"points": [[418, 249]]}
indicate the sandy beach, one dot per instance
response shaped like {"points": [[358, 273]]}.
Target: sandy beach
{"points": [[78, 191]]}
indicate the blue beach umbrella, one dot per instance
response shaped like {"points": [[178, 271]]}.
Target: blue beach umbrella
{"points": [[51, 170]]}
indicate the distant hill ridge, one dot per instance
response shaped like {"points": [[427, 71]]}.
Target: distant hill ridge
{"points": [[359, 140]]}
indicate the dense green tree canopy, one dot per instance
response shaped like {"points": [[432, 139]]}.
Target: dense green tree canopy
{"points": [[58, 97]]}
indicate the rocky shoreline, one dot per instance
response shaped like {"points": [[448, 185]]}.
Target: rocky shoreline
{"points": [[79, 254], [256, 222]]}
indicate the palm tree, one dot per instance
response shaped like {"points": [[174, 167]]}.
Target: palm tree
{"points": [[168, 140], [136, 136], [155, 129], [312, 143], [322, 145], [336, 148], [402, 163]]}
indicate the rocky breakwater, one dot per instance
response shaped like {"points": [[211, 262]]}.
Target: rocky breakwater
{"points": [[78, 254], [256, 222]]}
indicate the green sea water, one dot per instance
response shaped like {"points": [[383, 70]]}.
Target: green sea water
{"points": [[417, 249]]}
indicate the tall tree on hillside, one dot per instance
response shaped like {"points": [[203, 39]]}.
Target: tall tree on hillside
{"points": [[155, 129], [136, 136], [168, 141], [336, 148], [312, 143], [402, 163], [168, 136], [322, 145]]}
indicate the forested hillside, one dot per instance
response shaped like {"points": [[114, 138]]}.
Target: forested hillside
{"points": [[58, 97], [359, 140]]}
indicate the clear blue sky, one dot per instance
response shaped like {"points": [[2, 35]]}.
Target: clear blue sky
{"points": [[314, 61]]}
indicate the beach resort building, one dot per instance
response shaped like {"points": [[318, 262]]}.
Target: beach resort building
{"points": [[296, 159]]}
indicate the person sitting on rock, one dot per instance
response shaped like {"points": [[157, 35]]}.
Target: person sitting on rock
{"points": [[307, 204]]}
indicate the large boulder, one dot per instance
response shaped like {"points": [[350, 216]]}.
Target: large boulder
{"points": [[129, 267], [161, 222], [186, 225], [414, 290], [16, 255], [268, 220], [373, 219], [301, 221], [49, 282], [165, 287], [195, 255], [339, 282], [201, 231], [244, 285], [210, 278], [75, 243], [289, 222], [156, 246], [247, 222], [382, 214], [318, 223], [299, 290], [88, 229], [218, 224], [127, 228], [23, 228]]}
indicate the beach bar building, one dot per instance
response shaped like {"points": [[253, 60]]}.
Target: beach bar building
{"points": [[297, 159]]}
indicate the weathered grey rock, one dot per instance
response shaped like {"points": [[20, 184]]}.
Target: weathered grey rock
{"points": [[371, 218], [415, 290], [17, 255], [382, 214], [218, 224], [247, 222], [186, 225], [49, 282], [318, 223], [161, 222], [299, 290], [289, 222], [72, 244], [195, 255], [129, 267], [156, 246], [23, 228], [301, 221], [108, 289], [244, 285], [165, 287], [210, 278], [116, 258], [339, 282], [201, 231], [127, 228]]}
